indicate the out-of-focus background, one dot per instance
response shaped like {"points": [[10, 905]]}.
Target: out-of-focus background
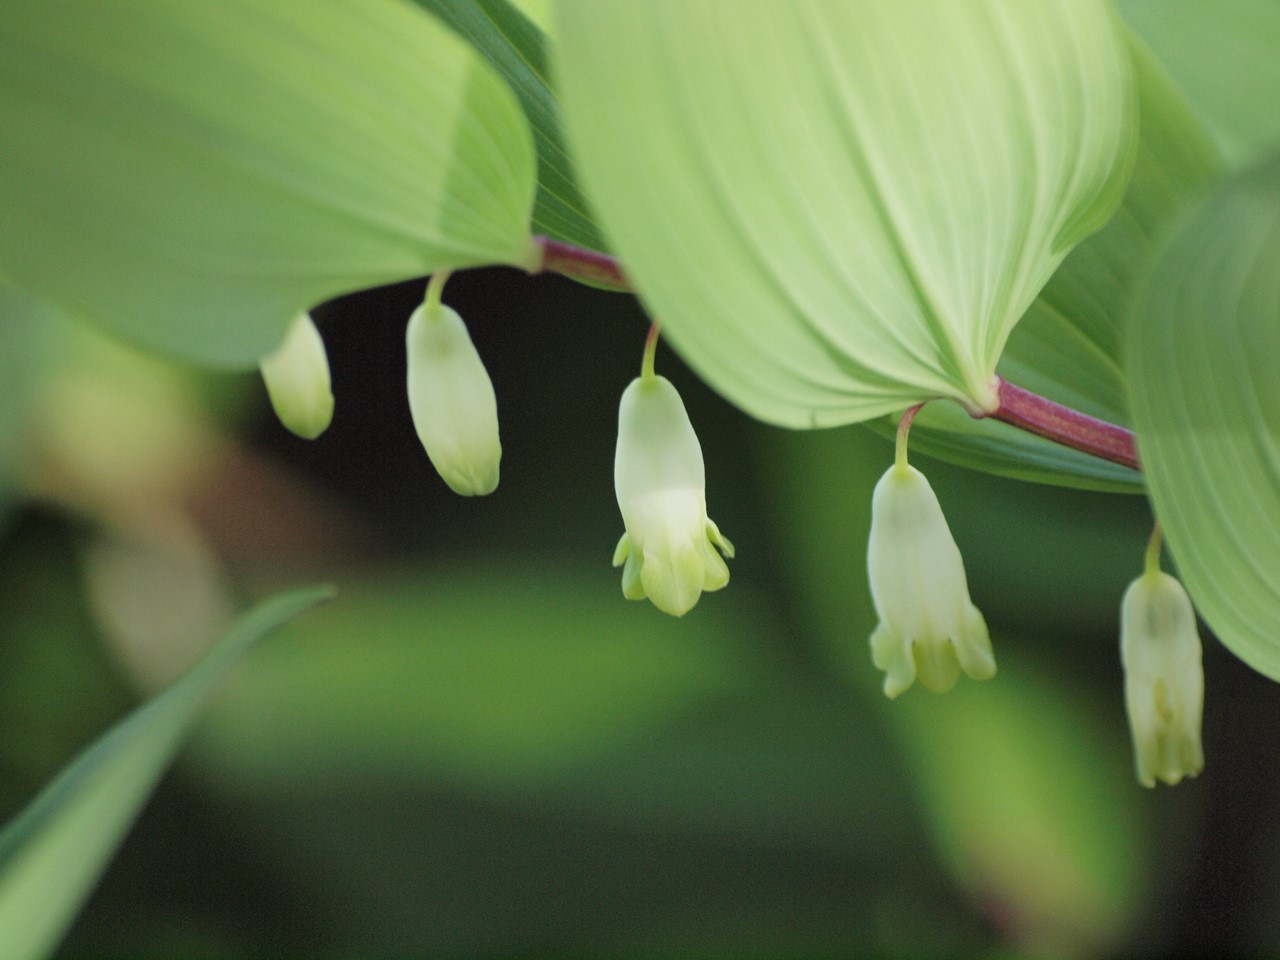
{"points": [[480, 748]]}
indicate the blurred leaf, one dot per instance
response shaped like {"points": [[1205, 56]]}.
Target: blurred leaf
{"points": [[1067, 347], [192, 174], [470, 730], [1206, 403], [1031, 802], [841, 210], [516, 48], [1223, 55], [495, 677], [52, 853]]}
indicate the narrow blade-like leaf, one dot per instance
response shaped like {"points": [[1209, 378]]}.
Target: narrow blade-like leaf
{"points": [[517, 49], [52, 853]]}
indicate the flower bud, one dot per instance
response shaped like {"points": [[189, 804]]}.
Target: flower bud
{"points": [[1163, 678], [451, 400], [297, 379], [929, 628], [669, 549]]}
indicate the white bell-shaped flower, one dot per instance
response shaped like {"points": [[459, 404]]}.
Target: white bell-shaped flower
{"points": [[929, 628], [1163, 678], [670, 547], [451, 398], [297, 378]]}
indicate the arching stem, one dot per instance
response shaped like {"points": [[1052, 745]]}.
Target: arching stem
{"points": [[1018, 407]]}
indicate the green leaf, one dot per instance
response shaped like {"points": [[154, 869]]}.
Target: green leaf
{"points": [[193, 174], [1206, 405], [52, 853], [1223, 55], [517, 49], [841, 210], [1067, 346]]}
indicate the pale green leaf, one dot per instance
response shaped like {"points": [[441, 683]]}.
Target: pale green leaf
{"points": [[839, 210], [1225, 55], [516, 48], [52, 853], [1067, 346], [1202, 361], [193, 174]]}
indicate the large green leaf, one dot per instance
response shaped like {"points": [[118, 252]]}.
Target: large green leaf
{"points": [[839, 210], [52, 853], [1224, 56], [1067, 346], [193, 174], [1202, 363], [516, 48]]}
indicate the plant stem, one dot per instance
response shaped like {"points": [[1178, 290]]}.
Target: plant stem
{"points": [[1018, 407], [581, 264], [650, 350], [1071, 428], [1152, 564], [904, 428], [435, 287]]}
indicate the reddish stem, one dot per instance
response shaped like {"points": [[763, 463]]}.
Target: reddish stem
{"points": [[581, 264], [1071, 428], [1018, 407]]}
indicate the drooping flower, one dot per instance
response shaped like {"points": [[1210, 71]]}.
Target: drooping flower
{"points": [[1163, 678], [296, 375], [451, 398], [929, 628], [669, 551]]}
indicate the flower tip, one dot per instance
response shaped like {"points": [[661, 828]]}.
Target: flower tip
{"points": [[479, 482], [296, 375]]}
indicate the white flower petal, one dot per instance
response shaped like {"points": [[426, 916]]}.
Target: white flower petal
{"points": [[660, 481], [451, 398], [929, 628], [1164, 679], [297, 378]]}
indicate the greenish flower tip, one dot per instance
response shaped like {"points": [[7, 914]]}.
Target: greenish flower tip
{"points": [[929, 628], [1163, 678], [669, 551], [452, 402], [297, 380]]}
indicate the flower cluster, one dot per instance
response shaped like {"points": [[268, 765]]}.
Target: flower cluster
{"points": [[671, 552]]}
